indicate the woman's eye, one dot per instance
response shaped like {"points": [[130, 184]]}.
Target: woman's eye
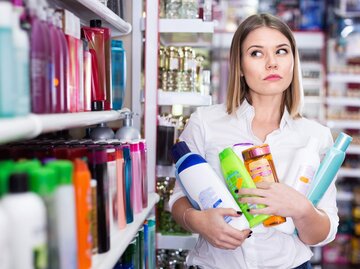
{"points": [[256, 53], [282, 51]]}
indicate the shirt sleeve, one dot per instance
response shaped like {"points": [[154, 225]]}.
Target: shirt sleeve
{"points": [[328, 202], [193, 135]]}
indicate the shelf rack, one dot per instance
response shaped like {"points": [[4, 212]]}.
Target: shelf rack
{"points": [[343, 101], [343, 124], [174, 241], [13, 129], [87, 10], [343, 78], [183, 98], [108, 260]]}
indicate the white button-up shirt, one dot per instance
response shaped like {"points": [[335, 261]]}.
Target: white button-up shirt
{"points": [[208, 132]]}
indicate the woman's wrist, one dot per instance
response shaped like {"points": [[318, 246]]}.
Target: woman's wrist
{"points": [[185, 221]]}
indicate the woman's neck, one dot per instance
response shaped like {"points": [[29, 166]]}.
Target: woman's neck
{"points": [[267, 109]]}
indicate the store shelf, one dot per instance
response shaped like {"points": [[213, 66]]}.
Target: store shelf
{"points": [[304, 40], [353, 149], [183, 98], [176, 241], [349, 172], [343, 78], [185, 26], [26, 127], [87, 10], [344, 14], [313, 100], [343, 124], [343, 101], [122, 238]]}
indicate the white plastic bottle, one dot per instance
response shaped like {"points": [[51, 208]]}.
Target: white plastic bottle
{"points": [[27, 219], [65, 214], [302, 172], [202, 185], [4, 239]]}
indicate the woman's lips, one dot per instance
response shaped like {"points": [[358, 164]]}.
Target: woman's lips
{"points": [[273, 77]]}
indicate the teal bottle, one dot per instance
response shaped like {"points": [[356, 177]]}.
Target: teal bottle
{"points": [[118, 65], [328, 168]]}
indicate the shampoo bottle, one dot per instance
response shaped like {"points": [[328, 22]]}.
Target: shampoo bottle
{"points": [[65, 213], [202, 185], [118, 63], [128, 184], [237, 177], [328, 168], [7, 56], [136, 187]]}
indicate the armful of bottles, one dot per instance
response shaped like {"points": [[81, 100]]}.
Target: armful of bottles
{"points": [[243, 165]]}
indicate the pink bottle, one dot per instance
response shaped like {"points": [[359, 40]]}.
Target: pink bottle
{"points": [[57, 83], [144, 178], [64, 94], [120, 186], [136, 188]]}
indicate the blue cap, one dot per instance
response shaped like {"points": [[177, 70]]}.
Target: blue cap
{"points": [[178, 150], [342, 141]]}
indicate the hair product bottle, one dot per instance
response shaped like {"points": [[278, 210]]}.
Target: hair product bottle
{"points": [[27, 218], [202, 185], [144, 178], [128, 183], [259, 163], [136, 187], [237, 177], [328, 168], [118, 64]]}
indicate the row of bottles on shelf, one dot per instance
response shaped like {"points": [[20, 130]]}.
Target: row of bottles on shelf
{"points": [[186, 9], [52, 65], [86, 201], [140, 253], [181, 70]]}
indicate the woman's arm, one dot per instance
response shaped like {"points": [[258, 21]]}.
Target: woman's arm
{"points": [[209, 224], [313, 225]]}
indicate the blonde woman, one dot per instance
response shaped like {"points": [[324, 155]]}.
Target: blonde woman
{"points": [[263, 106]]}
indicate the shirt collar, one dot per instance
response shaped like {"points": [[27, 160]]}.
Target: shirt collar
{"points": [[246, 108]]}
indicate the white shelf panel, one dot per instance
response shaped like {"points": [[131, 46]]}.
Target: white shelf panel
{"points": [[343, 101], [176, 241], [349, 172], [313, 100], [122, 238], [343, 78], [185, 26], [353, 149], [87, 10], [183, 98], [26, 127], [343, 124]]}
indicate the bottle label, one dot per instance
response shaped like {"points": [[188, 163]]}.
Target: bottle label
{"points": [[260, 170], [209, 199], [304, 177]]}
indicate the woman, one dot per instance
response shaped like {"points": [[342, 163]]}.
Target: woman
{"points": [[263, 106]]}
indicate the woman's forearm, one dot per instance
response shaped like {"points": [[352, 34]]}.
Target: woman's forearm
{"points": [[180, 207], [313, 225]]}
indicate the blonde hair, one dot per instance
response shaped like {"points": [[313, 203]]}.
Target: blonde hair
{"points": [[238, 90]]}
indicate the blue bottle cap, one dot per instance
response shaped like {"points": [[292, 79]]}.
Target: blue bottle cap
{"points": [[178, 150], [342, 141]]}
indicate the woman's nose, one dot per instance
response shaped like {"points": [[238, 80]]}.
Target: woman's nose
{"points": [[271, 63]]}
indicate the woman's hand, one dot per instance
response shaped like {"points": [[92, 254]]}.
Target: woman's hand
{"points": [[279, 199], [211, 225]]}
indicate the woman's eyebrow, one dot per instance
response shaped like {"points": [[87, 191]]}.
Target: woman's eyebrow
{"points": [[260, 47]]}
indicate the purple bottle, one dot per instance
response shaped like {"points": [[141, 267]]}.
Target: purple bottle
{"points": [[136, 188], [144, 178], [39, 53], [64, 95]]}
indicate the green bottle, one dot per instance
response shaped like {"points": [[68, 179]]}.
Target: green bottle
{"points": [[237, 177]]}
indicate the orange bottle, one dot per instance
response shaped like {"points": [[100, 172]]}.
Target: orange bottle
{"points": [[120, 187], [82, 178], [258, 161]]}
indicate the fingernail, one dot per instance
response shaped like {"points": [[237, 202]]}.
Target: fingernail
{"points": [[249, 235], [236, 191], [239, 212], [248, 210]]}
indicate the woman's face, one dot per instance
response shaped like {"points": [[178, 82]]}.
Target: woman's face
{"points": [[267, 62]]}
